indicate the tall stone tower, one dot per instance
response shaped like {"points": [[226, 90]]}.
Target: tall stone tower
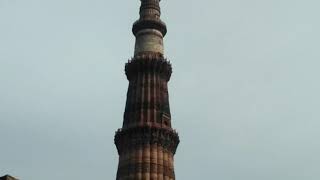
{"points": [[146, 143]]}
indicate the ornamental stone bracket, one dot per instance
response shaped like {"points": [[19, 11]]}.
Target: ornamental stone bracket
{"points": [[130, 138], [148, 63]]}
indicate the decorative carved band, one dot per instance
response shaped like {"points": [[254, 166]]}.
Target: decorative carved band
{"points": [[150, 62], [148, 5], [140, 136], [144, 167], [149, 23]]}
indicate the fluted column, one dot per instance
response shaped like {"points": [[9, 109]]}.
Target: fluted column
{"points": [[165, 165], [154, 162], [146, 143], [160, 162], [139, 163], [146, 162]]}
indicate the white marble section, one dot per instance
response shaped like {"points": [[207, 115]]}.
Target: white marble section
{"points": [[149, 40]]}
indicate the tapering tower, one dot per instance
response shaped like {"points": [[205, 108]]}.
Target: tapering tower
{"points": [[146, 143]]}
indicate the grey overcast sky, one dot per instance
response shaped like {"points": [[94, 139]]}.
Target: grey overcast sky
{"points": [[244, 93]]}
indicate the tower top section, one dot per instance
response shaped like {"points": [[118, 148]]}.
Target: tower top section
{"points": [[149, 30]]}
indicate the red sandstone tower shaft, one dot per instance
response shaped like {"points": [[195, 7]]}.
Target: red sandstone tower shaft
{"points": [[146, 143]]}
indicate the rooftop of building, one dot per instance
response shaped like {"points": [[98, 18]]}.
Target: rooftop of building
{"points": [[7, 177]]}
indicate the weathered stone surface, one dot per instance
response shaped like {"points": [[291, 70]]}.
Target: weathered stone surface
{"points": [[149, 40], [131, 138], [146, 143]]}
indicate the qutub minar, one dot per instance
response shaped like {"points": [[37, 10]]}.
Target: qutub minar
{"points": [[146, 143]]}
